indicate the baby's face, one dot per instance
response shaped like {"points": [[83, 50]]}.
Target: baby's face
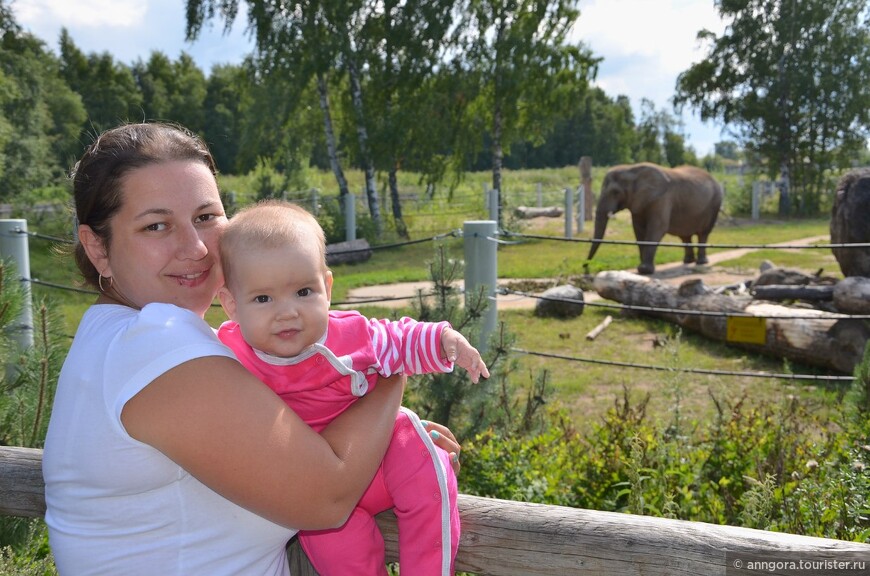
{"points": [[280, 298]]}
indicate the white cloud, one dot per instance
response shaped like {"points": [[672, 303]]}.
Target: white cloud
{"points": [[131, 30], [84, 13]]}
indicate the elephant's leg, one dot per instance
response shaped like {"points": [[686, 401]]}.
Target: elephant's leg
{"points": [[702, 250], [647, 251], [689, 255]]}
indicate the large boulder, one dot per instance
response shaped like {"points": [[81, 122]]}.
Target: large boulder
{"points": [[850, 222], [564, 301]]}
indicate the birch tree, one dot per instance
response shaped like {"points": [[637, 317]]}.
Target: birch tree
{"points": [[789, 77], [307, 41], [527, 72]]}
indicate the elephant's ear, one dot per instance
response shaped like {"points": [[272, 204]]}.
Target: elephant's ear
{"points": [[650, 180]]}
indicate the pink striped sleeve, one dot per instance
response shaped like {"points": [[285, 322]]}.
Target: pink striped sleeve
{"points": [[408, 346]]}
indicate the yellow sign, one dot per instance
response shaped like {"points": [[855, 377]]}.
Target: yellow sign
{"points": [[746, 329]]}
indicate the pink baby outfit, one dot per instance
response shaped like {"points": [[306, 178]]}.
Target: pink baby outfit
{"points": [[415, 477]]}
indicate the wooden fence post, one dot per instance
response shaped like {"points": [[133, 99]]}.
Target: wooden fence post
{"points": [[586, 181]]}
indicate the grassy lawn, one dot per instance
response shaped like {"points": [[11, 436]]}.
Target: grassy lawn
{"points": [[584, 388]]}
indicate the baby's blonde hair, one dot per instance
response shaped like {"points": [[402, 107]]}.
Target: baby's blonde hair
{"points": [[269, 224]]}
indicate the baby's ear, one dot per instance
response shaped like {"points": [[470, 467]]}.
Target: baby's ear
{"points": [[327, 281], [228, 303]]}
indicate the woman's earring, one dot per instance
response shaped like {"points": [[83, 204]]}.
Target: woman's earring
{"points": [[111, 280]]}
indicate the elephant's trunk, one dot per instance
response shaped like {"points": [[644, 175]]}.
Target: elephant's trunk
{"points": [[601, 218]]}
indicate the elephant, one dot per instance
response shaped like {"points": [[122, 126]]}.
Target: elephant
{"points": [[682, 201]]}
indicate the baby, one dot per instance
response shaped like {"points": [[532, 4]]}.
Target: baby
{"points": [[277, 296]]}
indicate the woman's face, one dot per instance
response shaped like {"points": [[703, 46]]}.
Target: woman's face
{"points": [[164, 245]]}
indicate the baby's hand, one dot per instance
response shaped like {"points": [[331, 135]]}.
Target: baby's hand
{"points": [[457, 349]]}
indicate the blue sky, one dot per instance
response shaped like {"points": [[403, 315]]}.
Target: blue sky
{"points": [[645, 43]]}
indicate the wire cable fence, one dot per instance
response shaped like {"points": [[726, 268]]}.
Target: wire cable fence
{"points": [[686, 244], [684, 311], [622, 307]]}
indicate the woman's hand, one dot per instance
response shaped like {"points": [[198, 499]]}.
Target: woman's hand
{"points": [[444, 439]]}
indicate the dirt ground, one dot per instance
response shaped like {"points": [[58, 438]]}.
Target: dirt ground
{"points": [[672, 273]]}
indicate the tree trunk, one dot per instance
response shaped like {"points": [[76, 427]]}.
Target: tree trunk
{"points": [[835, 342], [362, 139], [331, 148], [396, 202], [497, 156]]}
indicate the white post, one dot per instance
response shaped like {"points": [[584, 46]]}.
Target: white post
{"points": [[14, 247], [350, 217], [581, 208], [569, 211], [492, 196], [540, 195], [481, 271]]}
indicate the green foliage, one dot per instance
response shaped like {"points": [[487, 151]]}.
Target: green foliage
{"points": [[29, 375], [781, 106], [30, 556], [27, 382], [38, 115], [770, 465], [452, 399]]}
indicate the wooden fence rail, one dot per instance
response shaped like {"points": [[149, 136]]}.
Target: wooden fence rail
{"points": [[504, 538]]}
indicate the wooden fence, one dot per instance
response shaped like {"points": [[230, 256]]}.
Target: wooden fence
{"points": [[503, 538]]}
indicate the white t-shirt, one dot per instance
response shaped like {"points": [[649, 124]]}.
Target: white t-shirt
{"points": [[117, 505]]}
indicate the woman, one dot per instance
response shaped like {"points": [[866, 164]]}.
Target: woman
{"points": [[164, 455]]}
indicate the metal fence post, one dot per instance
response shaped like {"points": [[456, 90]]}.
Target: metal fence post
{"points": [[481, 271], [581, 209], [14, 247], [349, 217], [494, 207]]}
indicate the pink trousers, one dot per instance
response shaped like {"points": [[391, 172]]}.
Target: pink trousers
{"points": [[417, 481]]}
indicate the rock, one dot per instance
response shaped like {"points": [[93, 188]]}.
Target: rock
{"points": [[850, 222], [693, 287], [352, 251], [852, 295], [553, 302]]}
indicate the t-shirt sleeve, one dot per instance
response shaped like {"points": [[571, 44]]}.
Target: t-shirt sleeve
{"points": [[159, 338]]}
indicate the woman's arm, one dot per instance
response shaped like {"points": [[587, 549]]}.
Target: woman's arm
{"points": [[228, 429]]}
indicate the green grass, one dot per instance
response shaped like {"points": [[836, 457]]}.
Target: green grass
{"points": [[585, 388]]}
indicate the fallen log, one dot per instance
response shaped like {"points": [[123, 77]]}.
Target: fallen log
{"points": [[535, 212], [812, 337], [786, 292], [593, 334]]}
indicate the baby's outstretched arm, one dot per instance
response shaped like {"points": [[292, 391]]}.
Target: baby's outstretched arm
{"points": [[456, 348]]}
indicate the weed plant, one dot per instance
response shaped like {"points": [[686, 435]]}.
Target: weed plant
{"points": [[27, 384]]}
